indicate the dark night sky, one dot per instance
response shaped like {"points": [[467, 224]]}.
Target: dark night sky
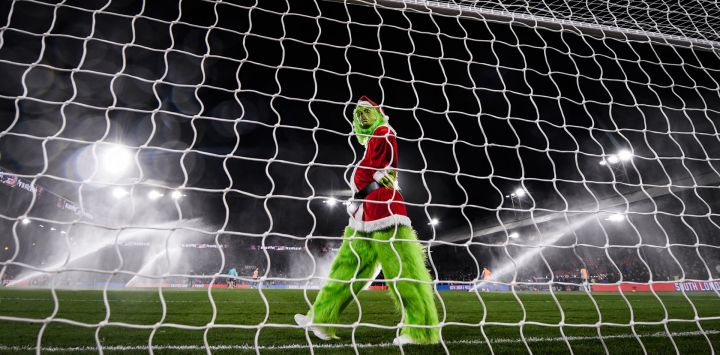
{"points": [[480, 108]]}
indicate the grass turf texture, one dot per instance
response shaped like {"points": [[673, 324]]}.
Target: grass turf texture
{"points": [[245, 307]]}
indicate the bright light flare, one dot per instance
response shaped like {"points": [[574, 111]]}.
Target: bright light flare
{"points": [[624, 155], [26, 220], [154, 194], [613, 159], [331, 201], [117, 159], [176, 195], [616, 217], [520, 192], [434, 222], [119, 192], [514, 235]]}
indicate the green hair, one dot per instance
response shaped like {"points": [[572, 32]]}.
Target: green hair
{"points": [[364, 134]]}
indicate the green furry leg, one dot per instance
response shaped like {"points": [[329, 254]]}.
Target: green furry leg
{"points": [[417, 298], [335, 296]]}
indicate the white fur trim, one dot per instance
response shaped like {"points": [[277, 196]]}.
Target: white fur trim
{"points": [[379, 224], [353, 187], [352, 208], [355, 207], [365, 103]]}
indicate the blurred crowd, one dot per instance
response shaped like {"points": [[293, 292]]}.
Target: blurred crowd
{"points": [[624, 264]]}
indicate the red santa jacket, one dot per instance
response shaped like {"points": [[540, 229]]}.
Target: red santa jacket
{"points": [[384, 207]]}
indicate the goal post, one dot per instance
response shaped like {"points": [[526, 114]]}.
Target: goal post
{"points": [[547, 153], [575, 18]]}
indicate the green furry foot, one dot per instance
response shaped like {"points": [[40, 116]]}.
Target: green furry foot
{"points": [[320, 332], [424, 336]]}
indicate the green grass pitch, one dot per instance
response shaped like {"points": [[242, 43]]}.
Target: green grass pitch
{"points": [[133, 319]]}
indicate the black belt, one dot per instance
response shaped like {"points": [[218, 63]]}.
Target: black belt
{"points": [[367, 190]]}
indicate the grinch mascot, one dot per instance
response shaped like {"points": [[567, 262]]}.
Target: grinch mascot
{"points": [[379, 232]]}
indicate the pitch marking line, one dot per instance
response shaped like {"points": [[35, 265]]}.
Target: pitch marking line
{"points": [[5, 348], [114, 300]]}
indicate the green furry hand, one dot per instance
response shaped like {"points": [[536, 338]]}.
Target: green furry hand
{"points": [[390, 180]]}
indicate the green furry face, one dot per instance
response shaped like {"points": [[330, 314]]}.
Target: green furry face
{"points": [[365, 120]]}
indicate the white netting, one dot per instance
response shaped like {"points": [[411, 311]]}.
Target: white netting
{"points": [[564, 145]]}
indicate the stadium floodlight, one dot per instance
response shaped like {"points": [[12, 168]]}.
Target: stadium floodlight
{"points": [[26, 220], [613, 159], [117, 159], [514, 235], [434, 222], [154, 194], [176, 195], [520, 192], [331, 201], [624, 155], [616, 217], [119, 192]]}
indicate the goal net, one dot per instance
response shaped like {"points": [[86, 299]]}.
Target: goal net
{"points": [[559, 161]]}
